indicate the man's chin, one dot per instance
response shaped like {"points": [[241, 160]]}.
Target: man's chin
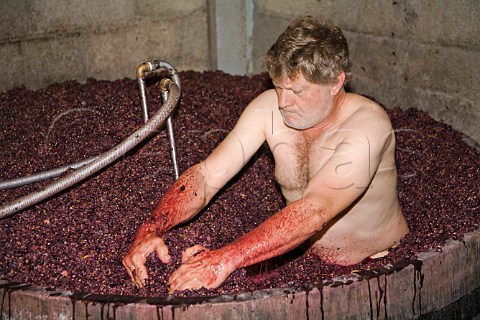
{"points": [[294, 125]]}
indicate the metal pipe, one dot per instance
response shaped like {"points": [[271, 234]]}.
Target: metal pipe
{"points": [[103, 160], [140, 72], [149, 66], [173, 150], [37, 177], [141, 84]]}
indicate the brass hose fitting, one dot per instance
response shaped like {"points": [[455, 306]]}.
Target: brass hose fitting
{"points": [[142, 69], [165, 84]]}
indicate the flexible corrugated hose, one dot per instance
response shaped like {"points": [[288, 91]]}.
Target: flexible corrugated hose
{"points": [[102, 160]]}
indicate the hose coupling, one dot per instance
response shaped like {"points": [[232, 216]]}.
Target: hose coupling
{"points": [[165, 84], [144, 68], [159, 64]]}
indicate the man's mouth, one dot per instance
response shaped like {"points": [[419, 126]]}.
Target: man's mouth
{"points": [[286, 109]]}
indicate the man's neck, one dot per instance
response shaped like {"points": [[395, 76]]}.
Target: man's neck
{"points": [[331, 121]]}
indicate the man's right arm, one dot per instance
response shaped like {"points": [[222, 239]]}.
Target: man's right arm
{"points": [[196, 187], [182, 201]]}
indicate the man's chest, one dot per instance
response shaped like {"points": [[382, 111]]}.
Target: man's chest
{"points": [[298, 160]]}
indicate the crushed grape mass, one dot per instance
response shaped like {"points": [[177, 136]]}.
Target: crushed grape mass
{"points": [[76, 240]]}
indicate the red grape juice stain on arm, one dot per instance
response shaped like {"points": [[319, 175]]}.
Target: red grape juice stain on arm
{"points": [[183, 200], [180, 203], [279, 234]]}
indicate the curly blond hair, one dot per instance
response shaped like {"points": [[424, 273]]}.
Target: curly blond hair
{"points": [[313, 47]]}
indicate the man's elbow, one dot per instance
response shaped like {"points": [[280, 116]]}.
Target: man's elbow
{"points": [[320, 212]]}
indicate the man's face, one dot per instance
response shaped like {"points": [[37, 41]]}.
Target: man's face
{"points": [[303, 104]]}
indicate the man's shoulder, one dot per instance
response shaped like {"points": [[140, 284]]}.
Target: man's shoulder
{"points": [[367, 115], [265, 100], [368, 122], [262, 107]]}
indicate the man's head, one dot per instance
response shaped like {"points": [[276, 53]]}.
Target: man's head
{"points": [[312, 47]]}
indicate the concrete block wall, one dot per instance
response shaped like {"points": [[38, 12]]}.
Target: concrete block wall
{"points": [[47, 41], [407, 53]]}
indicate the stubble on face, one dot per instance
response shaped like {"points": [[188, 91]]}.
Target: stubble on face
{"points": [[302, 104]]}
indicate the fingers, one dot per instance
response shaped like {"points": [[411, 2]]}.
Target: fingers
{"points": [[185, 277], [192, 251], [129, 268], [135, 266], [200, 268], [140, 276], [191, 284], [162, 253], [134, 261]]}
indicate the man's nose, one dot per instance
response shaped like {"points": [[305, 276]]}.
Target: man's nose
{"points": [[283, 99]]}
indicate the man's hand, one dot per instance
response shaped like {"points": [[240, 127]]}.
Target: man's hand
{"points": [[201, 268], [135, 259]]}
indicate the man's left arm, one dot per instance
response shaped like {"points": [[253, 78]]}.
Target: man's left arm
{"points": [[341, 180]]}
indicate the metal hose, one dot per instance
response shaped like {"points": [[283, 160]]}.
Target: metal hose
{"points": [[102, 160], [142, 69], [44, 175], [149, 66]]}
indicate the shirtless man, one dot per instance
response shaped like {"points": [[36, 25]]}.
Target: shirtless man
{"points": [[334, 162]]}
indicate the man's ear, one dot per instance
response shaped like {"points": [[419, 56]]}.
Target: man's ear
{"points": [[339, 84]]}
